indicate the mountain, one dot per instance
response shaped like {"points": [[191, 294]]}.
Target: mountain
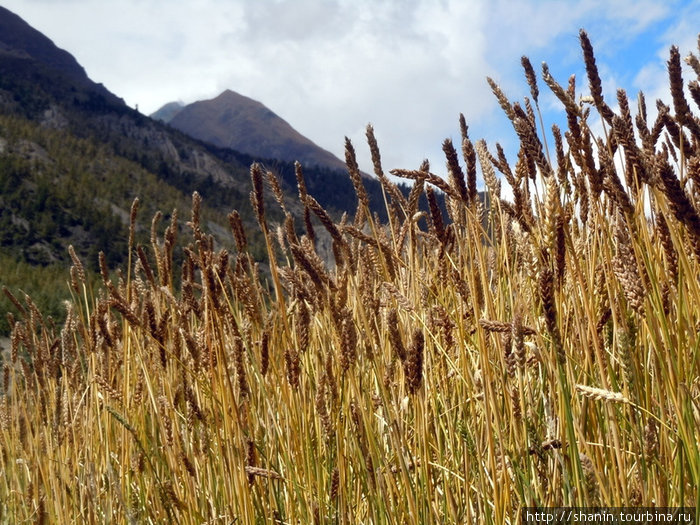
{"points": [[73, 157], [167, 112], [19, 39], [234, 121], [29, 55]]}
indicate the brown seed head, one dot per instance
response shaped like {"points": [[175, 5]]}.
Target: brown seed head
{"points": [[291, 357], [257, 196], [392, 322], [455, 173], [413, 366], [594, 82], [531, 77], [132, 220], [77, 263]]}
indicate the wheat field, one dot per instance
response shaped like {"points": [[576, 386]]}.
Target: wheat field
{"points": [[539, 350]]}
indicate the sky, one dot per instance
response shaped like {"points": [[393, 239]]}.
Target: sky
{"points": [[330, 67]]}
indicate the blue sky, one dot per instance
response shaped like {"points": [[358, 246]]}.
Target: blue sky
{"points": [[329, 67]]}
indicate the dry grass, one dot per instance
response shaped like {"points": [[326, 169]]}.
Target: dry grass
{"points": [[444, 370]]}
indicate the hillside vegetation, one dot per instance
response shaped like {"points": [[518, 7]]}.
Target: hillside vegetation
{"points": [[451, 368], [58, 188]]}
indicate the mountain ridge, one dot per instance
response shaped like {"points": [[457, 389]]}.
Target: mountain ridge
{"points": [[19, 40]]}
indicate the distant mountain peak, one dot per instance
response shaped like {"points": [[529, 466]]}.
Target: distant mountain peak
{"points": [[235, 121], [168, 111]]}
